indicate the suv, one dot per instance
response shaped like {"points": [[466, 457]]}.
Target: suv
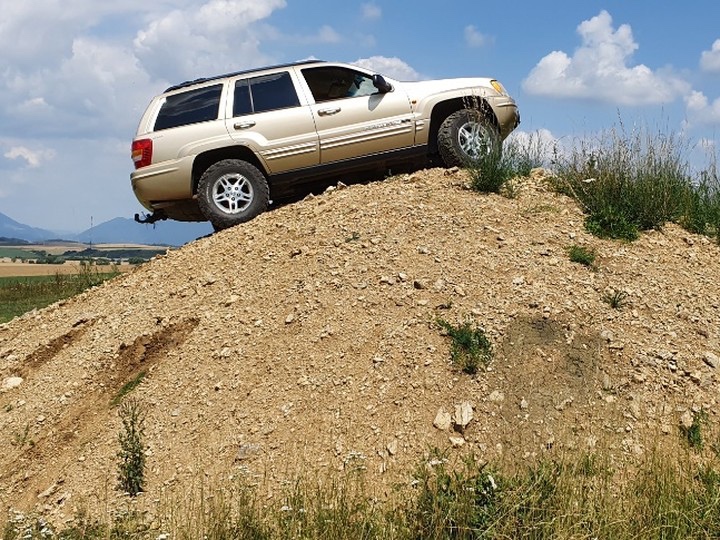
{"points": [[221, 148]]}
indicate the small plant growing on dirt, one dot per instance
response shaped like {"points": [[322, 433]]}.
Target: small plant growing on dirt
{"points": [[582, 255], [131, 457], [470, 346], [693, 434], [128, 387], [616, 299]]}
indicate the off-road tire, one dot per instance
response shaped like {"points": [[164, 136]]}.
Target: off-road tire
{"points": [[466, 136], [232, 191]]}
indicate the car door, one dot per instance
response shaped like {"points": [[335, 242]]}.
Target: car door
{"points": [[267, 116], [353, 118]]}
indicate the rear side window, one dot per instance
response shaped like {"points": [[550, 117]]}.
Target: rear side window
{"points": [[265, 93], [190, 107]]}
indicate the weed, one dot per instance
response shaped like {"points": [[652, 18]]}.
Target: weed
{"points": [[353, 237], [616, 299], [470, 346], [131, 457], [21, 439], [128, 387], [693, 434], [582, 255], [493, 172]]}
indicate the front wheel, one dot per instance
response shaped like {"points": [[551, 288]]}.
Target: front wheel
{"points": [[467, 136], [232, 191]]}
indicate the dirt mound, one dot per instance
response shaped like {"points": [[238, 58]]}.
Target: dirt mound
{"points": [[307, 340]]}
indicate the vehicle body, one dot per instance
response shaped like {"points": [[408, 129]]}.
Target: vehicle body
{"points": [[221, 148]]}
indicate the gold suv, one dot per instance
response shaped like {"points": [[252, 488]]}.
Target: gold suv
{"points": [[221, 148]]}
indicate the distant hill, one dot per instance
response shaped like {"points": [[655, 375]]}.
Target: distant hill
{"points": [[9, 228], [127, 231], [116, 231]]}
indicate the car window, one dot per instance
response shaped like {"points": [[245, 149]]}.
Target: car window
{"points": [[265, 93], [200, 105], [327, 83]]}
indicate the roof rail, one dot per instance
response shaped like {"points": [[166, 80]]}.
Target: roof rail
{"points": [[235, 73]]}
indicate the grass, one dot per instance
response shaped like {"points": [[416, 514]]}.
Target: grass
{"points": [[632, 181], [616, 299], [470, 346], [19, 295], [127, 388], [582, 255], [581, 496], [494, 172]]}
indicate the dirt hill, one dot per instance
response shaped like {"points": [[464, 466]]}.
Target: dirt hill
{"points": [[306, 340]]}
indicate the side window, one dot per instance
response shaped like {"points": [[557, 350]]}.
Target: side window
{"points": [[190, 107], [265, 93], [327, 83]]}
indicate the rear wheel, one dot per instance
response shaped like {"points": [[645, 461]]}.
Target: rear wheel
{"points": [[467, 136], [232, 191]]}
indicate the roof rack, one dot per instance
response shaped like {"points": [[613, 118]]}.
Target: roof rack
{"points": [[243, 72]]}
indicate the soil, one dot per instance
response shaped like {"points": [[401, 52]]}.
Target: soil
{"points": [[306, 341]]}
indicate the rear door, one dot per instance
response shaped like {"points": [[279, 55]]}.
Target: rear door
{"points": [[353, 118], [266, 115]]}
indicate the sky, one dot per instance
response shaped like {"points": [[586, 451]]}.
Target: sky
{"points": [[76, 75]]}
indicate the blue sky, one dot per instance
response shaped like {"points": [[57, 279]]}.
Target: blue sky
{"points": [[75, 75]]}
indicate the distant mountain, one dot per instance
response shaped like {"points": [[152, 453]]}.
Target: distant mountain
{"points": [[9, 228], [115, 231], [127, 231]]}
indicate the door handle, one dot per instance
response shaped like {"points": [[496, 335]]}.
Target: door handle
{"points": [[244, 125], [329, 112]]}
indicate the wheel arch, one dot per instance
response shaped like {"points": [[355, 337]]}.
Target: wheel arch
{"points": [[445, 108], [206, 159]]}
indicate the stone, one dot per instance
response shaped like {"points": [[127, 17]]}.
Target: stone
{"points": [[443, 420], [496, 396], [463, 414], [392, 447], [457, 441], [711, 359], [12, 382]]}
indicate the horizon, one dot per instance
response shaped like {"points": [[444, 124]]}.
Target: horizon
{"points": [[71, 102]]}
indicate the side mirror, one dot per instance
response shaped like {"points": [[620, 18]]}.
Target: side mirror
{"points": [[381, 84]]}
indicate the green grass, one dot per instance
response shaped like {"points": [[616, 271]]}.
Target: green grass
{"points": [[632, 181], [580, 496], [582, 255], [19, 295], [493, 172], [470, 346]]}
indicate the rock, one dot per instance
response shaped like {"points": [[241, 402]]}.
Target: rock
{"points": [[524, 404], [12, 382], [497, 396], [457, 441], [443, 420], [246, 451], [289, 319], [686, 420], [392, 447], [463, 414], [711, 359]]}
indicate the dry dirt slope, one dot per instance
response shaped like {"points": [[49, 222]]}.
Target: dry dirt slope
{"points": [[306, 340]]}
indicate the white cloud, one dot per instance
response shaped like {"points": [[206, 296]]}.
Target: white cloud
{"points": [[474, 38], [710, 60], [392, 67], [33, 158], [220, 35], [701, 111], [328, 35], [371, 12], [600, 69]]}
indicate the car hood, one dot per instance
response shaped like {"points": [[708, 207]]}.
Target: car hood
{"points": [[444, 85]]}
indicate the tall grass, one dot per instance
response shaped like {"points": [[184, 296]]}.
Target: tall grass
{"points": [[637, 180], [581, 496]]}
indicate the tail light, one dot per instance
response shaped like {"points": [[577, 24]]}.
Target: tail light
{"points": [[142, 152]]}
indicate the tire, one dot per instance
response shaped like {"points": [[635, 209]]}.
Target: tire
{"points": [[232, 191], [466, 136]]}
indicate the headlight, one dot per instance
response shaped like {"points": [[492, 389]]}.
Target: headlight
{"points": [[498, 87]]}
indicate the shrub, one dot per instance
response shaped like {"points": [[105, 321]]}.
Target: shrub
{"points": [[582, 255], [131, 457], [470, 347]]}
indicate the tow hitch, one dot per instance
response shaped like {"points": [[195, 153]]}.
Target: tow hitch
{"points": [[151, 218]]}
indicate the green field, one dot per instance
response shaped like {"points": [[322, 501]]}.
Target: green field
{"points": [[19, 295], [17, 253]]}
